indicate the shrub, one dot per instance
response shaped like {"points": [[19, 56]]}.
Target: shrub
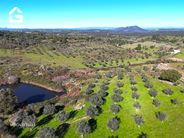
{"points": [[160, 115], [156, 102], [167, 91], [113, 124], [115, 108], [117, 98], [153, 93], [83, 127], [92, 111], [170, 75]]}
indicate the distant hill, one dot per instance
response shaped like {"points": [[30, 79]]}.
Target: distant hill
{"points": [[131, 29]]}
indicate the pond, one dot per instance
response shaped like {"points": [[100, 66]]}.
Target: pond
{"points": [[28, 94]]}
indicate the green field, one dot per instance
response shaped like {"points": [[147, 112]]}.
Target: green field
{"points": [[154, 128]]}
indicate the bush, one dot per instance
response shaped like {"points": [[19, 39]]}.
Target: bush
{"points": [[117, 98], [83, 127], [113, 124], [92, 111], [153, 93], [96, 100], [170, 75], [160, 115], [115, 108], [156, 102], [167, 91]]}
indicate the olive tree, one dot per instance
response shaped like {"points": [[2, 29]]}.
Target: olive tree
{"points": [[160, 115], [96, 100], [47, 132], [92, 111], [135, 95], [113, 124], [139, 120], [137, 105], [153, 93], [83, 127], [115, 108], [167, 91], [63, 115], [156, 102], [49, 109], [117, 98]]}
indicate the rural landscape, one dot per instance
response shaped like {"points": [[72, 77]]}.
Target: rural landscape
{"points": [[127, 82]]}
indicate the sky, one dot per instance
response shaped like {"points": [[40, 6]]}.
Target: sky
{"points": [[93, 13]]}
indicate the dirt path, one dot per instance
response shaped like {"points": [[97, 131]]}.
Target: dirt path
{"points": [[79, 119]]}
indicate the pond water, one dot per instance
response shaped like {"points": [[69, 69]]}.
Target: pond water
{"points": [[28, 94]]}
